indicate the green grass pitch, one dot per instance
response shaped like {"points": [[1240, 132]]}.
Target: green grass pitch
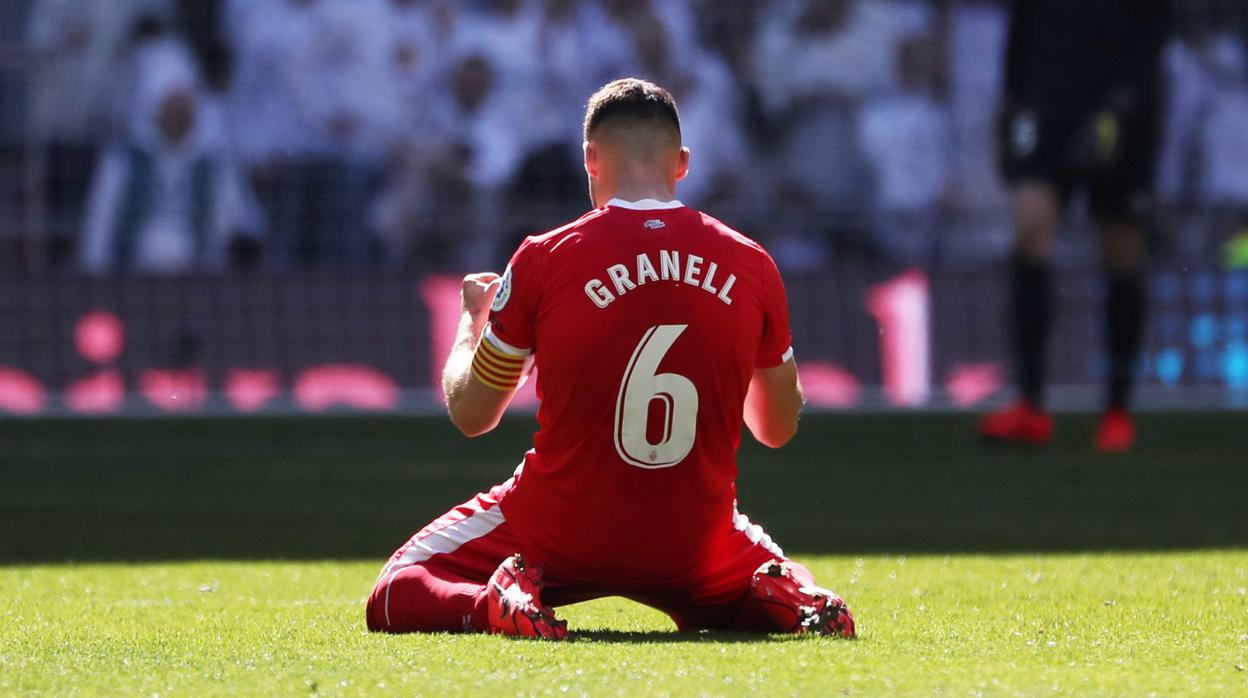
{"points": [[233, 557]]}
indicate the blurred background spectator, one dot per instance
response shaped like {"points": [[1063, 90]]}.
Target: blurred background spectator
{"points": [[1203, 168], [816, 64], [312, 105], [975, 40], [165, 196], [433, 134], [77, 90], [907, 137]]}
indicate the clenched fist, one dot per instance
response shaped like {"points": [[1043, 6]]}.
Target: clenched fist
{"points": [[478, 293]]}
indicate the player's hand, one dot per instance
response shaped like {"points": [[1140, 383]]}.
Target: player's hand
{"points": [[478, 293]]}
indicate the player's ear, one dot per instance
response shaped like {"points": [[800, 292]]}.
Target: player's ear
{"points": [[591, 158], [682, 163]]}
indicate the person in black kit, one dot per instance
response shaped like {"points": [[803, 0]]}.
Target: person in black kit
{"points": [[1080, 110]]}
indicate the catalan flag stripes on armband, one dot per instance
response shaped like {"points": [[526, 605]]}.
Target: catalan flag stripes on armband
{"points": [[495, 368]]}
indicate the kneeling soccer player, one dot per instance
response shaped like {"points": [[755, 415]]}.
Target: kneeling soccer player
{"points": [[656, 331]]}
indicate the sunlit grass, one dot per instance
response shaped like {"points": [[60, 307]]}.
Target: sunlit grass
{"points": [[1114, 624]]}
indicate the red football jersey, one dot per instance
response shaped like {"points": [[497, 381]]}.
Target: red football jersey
{"points": [[646, 320]]}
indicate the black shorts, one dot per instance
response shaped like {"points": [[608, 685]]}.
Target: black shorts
{"points": [[1054, 148]]}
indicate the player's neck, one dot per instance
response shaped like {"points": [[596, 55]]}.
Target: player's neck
{"points": [[637, 192]]}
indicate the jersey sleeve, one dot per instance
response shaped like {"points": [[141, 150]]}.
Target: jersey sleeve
{"points": [[776, 346], [508, 337], [512, 317]]}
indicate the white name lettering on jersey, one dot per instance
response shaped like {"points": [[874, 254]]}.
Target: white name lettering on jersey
{"points": [[697, 271]]}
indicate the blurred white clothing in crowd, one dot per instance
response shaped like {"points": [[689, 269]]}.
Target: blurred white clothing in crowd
{"points": [[80, 54], [165, 198], [832, 49], [976, 74], [907, 140], [271, 40], [1204, 154]]}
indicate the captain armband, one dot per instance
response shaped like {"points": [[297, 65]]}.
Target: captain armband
{"points": [[499, 368]]}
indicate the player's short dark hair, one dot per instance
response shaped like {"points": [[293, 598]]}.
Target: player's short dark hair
{"points": [[632, 102]]}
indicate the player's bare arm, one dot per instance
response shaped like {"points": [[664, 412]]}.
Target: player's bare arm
{"points": [[475, 408], [773, 404]]}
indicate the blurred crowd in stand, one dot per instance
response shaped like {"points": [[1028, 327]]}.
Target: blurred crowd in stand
{"points": [[174, 135]]}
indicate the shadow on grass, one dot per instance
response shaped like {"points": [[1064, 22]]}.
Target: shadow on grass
{"points": [[356, 488], [672, 637]]}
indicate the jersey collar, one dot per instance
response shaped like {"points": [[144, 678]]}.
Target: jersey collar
{"points": [[645, 204]]}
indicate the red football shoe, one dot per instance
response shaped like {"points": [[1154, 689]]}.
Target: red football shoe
{"points": [[800, 609], [516, 606], [1020, 423], [1115, 432]]}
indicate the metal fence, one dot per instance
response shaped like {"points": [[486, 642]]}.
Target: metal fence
{"points": [[867, 336], [327, 285]]}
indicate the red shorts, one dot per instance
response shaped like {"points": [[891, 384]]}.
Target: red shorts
{"points": [[436, 581]]}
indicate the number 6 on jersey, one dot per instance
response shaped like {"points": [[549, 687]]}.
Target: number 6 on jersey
{"points": [[640, 387]]}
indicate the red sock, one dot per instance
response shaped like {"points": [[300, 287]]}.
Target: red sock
{"points": [[418, 598]]}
